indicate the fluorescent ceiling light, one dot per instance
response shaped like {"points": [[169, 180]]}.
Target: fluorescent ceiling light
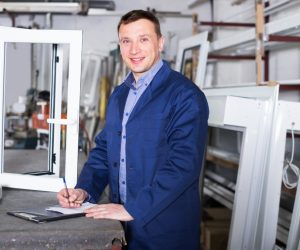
{"points": [[33, 7], [103, 12]]}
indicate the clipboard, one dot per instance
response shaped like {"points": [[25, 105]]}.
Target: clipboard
{"points": [[44, 216], [52, 213]]}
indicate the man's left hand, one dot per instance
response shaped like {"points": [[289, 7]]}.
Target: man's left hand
{"points": [[108, 211]]}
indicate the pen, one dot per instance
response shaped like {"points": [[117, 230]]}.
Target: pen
{"points": [[66, 189]]}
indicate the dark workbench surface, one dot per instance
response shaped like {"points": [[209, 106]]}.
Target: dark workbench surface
{"points": [[75, 233]]}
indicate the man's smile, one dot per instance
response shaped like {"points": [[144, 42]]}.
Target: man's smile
{"points": [[137, 60]]}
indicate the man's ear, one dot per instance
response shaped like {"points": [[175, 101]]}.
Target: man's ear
{"points": [[161, 43]]}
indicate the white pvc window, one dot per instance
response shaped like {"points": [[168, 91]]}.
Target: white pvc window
{"points": [[286, 118], [189, 48], [57, 41], [250, 110], [92, 64]]}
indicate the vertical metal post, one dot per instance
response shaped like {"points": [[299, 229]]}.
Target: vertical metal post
{"points": [[267, 53], [259, 40], [294, 233], [196, 51], [2, 103], [57, 112], [51, 155]]}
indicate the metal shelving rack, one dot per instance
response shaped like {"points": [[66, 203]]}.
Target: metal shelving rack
{"points": [[244, 44]]}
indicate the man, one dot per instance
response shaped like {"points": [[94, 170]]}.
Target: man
{"points": [[151, 148]]}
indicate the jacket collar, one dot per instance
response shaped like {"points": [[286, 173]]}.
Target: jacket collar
{"points": [[157, 84]]}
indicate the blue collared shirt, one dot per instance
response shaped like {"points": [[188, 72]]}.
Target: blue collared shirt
{"points": [[135, 92]]}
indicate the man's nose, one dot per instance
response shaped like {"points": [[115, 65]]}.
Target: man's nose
{"points": [[135, 48]]}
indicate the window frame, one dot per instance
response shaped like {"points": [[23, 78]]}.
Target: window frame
{"points": [[73, 38]]}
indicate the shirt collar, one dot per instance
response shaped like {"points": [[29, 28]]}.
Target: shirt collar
{"points": [[145, 79]]}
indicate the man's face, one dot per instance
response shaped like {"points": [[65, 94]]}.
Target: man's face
{"points": [[140, 46]]}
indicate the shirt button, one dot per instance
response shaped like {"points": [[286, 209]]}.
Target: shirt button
{"points": [[124, 136], [122, 160], [123, 182], [126, 113]]}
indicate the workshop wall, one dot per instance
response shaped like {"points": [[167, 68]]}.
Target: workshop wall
{"points": [[99, 33], [240, 71]]}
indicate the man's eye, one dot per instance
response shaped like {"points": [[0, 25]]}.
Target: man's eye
{"points": [[144, 40], [125, 41]]}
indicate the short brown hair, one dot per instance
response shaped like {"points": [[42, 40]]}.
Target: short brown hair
{"points": [[136, 15]]}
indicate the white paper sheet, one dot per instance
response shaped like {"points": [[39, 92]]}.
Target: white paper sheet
{"points": [[78, 210]]}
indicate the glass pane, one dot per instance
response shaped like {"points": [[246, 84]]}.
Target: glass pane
{"points": [[288, 189], [28, 77], [219, 181], [190, 62]]}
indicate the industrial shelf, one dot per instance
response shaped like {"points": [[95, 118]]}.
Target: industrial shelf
{"points": [[222, 157], [285, 26]]}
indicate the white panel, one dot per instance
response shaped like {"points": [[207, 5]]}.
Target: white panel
{"points": [[217, 106], [89, 85], [42, 183], [2, 108], [73, 110], [8, 34], [260, 92]]}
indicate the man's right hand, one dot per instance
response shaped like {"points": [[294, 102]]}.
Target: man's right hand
{"points": [[75, 199]]}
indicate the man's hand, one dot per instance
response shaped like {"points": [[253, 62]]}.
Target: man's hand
{"points": [[108, 211], [75, 199]]}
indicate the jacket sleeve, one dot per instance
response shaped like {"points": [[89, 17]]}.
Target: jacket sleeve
{"points": [[94, 175], [186, 137]]}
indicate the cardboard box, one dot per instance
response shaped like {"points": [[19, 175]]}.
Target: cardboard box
{"points": [[216, 238], [216, 214], [215, 228]]}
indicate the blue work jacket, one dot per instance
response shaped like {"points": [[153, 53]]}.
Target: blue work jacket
{"points": [[165, 140]]}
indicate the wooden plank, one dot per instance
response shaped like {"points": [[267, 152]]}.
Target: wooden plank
{"points": [[222, 162]]}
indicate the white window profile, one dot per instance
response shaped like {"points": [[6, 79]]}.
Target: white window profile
{"points": [[250, 110], [56, 38], [186, 45]]}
